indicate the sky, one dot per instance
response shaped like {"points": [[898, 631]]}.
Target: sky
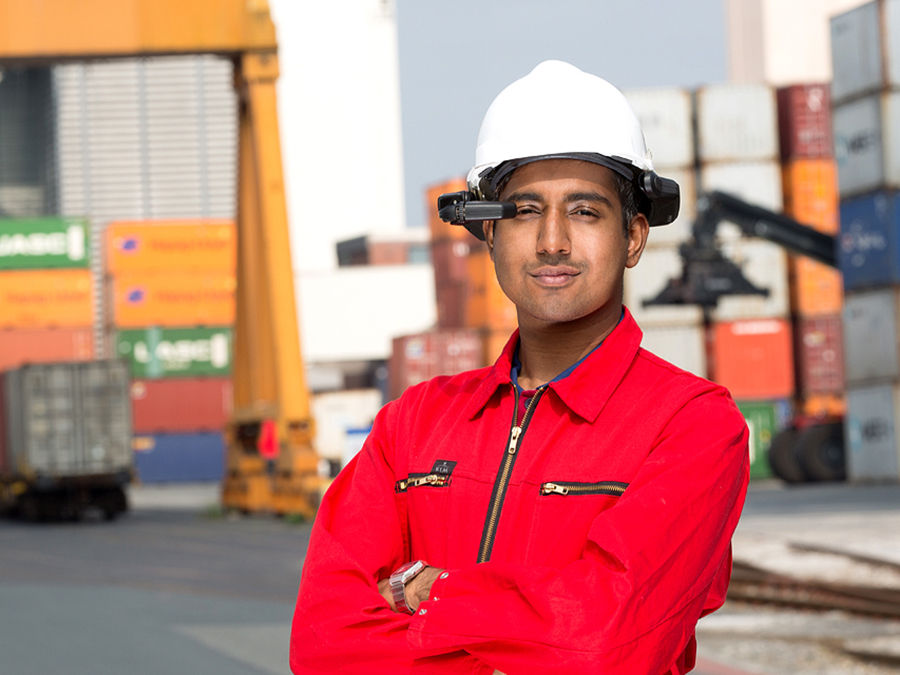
{"points": [[455, 56]]}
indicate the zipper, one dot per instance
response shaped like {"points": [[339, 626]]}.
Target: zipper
{"points": [[504, 473], [417, 480], [608, 487]]}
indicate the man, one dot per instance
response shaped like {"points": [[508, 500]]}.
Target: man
{"points": [[570, 508]]}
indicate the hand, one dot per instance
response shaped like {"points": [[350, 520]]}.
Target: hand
{"points": [[417, 591]]}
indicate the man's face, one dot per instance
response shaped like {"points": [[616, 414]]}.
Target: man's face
{"points": [[563, 256]]}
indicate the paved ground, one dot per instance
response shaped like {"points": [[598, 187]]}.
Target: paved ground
{"points": [[174, 587]]}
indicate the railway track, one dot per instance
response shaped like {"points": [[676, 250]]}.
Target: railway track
{"points": [[753, 584]]}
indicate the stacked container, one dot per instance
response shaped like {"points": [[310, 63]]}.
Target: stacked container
{"points": [[46, 291], [809, 179], [171, 300], [749, 339], [866, 117], [675, 333]]}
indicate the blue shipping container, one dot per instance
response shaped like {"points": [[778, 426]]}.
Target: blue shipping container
{"points": [[184, 458], [869, 245]]}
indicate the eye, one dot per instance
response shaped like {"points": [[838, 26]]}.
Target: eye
{"points": [[526, 210], [585, 212]]}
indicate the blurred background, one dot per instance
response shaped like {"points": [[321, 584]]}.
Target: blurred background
{"points": [[164, 356]]}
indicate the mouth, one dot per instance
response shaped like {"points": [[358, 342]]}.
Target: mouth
{"points": [[554, 275]]}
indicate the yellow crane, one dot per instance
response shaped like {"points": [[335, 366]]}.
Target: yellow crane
{"points": [[271, 464]]}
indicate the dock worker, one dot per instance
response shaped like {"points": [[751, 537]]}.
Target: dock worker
{"points": [[570, 508]]}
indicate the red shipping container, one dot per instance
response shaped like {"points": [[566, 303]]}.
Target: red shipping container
{"points": [[416, 358], [451, 304], [804, 121], [44, 345], [449, 258], [184, 404], [820, 355], [4, 461], [752, 358]]}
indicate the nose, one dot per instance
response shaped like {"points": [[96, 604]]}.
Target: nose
{"points": [[553, 235]]}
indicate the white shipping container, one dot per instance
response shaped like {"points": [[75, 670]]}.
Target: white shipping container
{"points": [[338, 412], [647, 279], [666, 119], [684, 346], [870, 432], [871, 348], [765, 265], [680, 229], [737, 122], [867, 143], [758, 183], [860, 61]]}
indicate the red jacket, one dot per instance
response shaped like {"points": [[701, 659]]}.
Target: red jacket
{"points": [[610, 576]]}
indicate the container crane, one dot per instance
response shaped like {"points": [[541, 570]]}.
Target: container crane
{"points": [[271, 464]]}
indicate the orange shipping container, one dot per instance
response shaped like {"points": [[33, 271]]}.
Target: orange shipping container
{"points": [[44, 345], [752, 358], [46, 298], [440, 229], [810, 193], [172, 300], [816, 289], [486, 304], [159, 246], [493, 341]]}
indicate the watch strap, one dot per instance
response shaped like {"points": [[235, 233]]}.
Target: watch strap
{"points": [[398, 580]]}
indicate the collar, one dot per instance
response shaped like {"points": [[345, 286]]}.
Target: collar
{"points": [[587, 389]]}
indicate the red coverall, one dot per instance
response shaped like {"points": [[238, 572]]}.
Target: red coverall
{"points": [[598, 579]]}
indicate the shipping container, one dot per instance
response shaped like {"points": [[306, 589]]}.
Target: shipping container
{"points": [[860, 58], [486, 304], [810, 193], [163, 246], [804, 122], [753, 358], [758, 183], [493, 343], [869, 245], [181, 405], [450, 259], [451, 298], [44, 243], [819, 355], [666, 118], [872, 336], [339, 411], [175, 352], [679, 230], [416, 358], [816, 289], [647, 279], [20, 346], [179, 458], [439, 228], [765, 265], [764, 420], [867, 143], [67, 420], [683, 346], [870, 431], [737, 122], [176, 299], [46, 298]]}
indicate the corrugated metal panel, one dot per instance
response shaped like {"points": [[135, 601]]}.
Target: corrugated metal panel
{"points": [[163, 458]]}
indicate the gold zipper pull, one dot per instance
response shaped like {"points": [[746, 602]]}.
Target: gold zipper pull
{"points": [[554, 489], [514, 440], [430, 479]]}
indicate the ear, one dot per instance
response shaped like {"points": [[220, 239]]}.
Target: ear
{"points": [[638, 230], [488, 228]]}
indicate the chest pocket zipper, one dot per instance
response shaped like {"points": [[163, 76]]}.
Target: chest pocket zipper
{"points": [[420, 479], [609, 487]]}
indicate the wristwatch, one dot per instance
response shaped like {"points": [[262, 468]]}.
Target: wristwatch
{"points": [[402, 576]]}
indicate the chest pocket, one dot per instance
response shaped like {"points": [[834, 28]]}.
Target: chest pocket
{"points": [[425, 495], [563, 514]]}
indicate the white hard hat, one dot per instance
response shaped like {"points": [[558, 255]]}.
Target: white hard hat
{"points": [[557, 111]]}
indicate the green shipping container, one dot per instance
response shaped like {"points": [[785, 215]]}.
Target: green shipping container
{"points": [[176, 352], [43, 243], [764, 419]]}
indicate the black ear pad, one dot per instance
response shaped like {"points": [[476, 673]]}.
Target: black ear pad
{"points": [[659, 198]]}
